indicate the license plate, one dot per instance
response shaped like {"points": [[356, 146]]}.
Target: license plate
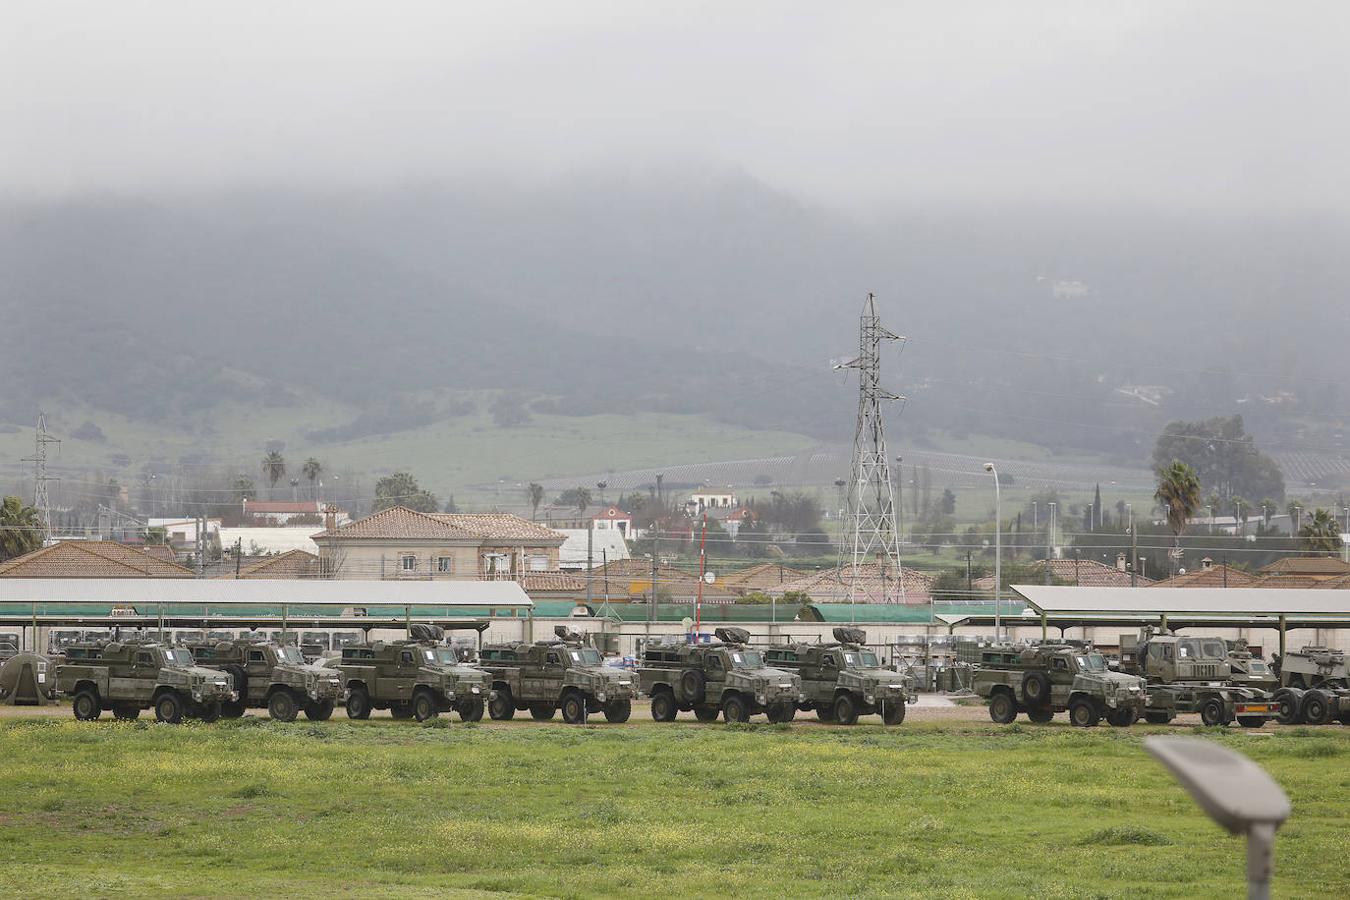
{"points": [[1254, 708]]}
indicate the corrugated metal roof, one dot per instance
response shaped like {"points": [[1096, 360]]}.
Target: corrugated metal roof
{"points": [[229, 592], [1212, 601]]}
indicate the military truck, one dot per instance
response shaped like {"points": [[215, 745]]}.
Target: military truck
{"points": [[1191, 675], [127, 677], [724, 677], [273, 678], [1314, 687], [844, 680], [412, 678], [547, 675], [1049, 678]]}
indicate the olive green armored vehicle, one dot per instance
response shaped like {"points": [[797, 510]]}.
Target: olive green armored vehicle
{"points": [[1049, 678], [129, 677], [844, 680], [416, 678], [1191, 675], [1314, 687], [274, 678], [726, 677], [1248, 670], [547, 675]]}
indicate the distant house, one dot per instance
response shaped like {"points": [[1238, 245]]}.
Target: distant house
{"points": [[92, 559], [613, 519], [710, 499], [182, 533], [873, 580], [402, 543], [1077, 572], [291, 564], [1317, 568], [1210, 575], [763, 578], [280, 512], [632, 580]]}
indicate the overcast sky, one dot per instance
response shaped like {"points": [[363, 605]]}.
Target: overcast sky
{"points": [[1222, 105]]}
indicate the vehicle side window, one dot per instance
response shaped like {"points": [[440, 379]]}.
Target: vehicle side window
{"points": [[143, 659], [715, 662], [406, 657], [1060, 665], [828, 662], [1155, 651], [255, 656], [554, 660]]}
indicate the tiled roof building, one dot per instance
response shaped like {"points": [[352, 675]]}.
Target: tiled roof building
{"points": [[873, 580], [92, 559]]}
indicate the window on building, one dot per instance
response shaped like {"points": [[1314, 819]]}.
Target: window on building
{"points": [[444, 565], [538, 563], [408, 562]]}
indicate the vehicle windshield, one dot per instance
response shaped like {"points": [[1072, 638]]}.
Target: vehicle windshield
{"points": [[177, 656], [1213, 650], [290, 655], [747, 659], [585, 656], [446, 656], [1198, 649], [1256, 667], [865, 659], [1091, 662]]}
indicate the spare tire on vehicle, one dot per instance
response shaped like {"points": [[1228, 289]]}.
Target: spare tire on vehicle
{"points": [[1036, 688], [692, 685]]}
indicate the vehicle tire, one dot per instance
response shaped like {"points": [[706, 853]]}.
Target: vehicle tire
{"points": [[893, 712], [502, 707], [1041, 716], [471, 710], [664, 708], [1316, 708], [542, 712], [825, 713], [618, 711], [320, 711], [693, 686], [401, 712], [358, 703], [1290, 701], [232, 709], [1251, 721], [209, 713], [169, 708], [1212, 713], [1158, 718], [424, 706], [846, 709], [1122, 717], [1036, 688], [1083, 713], [781, 713], [86, 705], [735, 709], [706, 714], [1002, 707], [574, 709], [126, 712], [281, 706]]}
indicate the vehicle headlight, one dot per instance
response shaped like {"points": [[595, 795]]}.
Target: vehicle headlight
{"points": [[869, 698], [476, 689], [600, 695], [761, 699], [625, 683]]}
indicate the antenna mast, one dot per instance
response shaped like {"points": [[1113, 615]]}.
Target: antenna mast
{"points": [[41, 500], [872, 533]]}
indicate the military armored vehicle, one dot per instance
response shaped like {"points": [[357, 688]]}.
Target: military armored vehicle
{"points": [[844, 680], [1249, 671], [127, 677], [547, 675], [725, 677], [27, 679], [1049, 678], [413, 678], [1314, 687], [273, 678], [1191, 675]]}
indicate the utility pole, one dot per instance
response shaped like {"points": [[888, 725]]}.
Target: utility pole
{"points": [[590, 561], [872, 529], [41, 500], [201, 546]]}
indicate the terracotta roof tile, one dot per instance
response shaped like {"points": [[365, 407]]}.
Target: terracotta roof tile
{"points": [[552, 581], [291, 564], [836, 585], [400, 522], [1214, 576], [91, 559], [501, 527], [1325, 566], [762, 577]]}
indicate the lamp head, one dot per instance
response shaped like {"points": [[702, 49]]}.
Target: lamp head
{"points": [[989, 467]]}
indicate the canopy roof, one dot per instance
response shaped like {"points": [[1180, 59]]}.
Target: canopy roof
{"points": [[1136, 620], [216, 592], [1216, 602]]}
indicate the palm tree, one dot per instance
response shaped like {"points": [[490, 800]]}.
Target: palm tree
{"points": [[1322, 534], [20, 529], [1179, 493], [312, 469], [274, 467], [535, 494], [583, 499]]}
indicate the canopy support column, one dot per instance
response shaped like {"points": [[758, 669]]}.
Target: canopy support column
{"points": [[1283, 627], [1045, 629]]}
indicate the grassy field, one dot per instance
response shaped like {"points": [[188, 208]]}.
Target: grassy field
{"points": [[253, 808]]}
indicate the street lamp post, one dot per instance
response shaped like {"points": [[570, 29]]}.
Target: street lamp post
{"points": [[998, 552]]}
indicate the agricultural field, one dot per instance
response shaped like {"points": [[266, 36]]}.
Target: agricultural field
{"points": [[950, 808]]}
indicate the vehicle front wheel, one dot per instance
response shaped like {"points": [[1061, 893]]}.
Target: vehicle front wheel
{"points": [[1002, 708], [846, 710], [471, 710], [502, 706], [706, 714], [825, 713], [1316, 708], [574, 709], [735, 709], [781, 713], [892, 712], [320, 711], [401, 712], [1212, 713], [1158, 718], [282, 707], [424, 706], [169, 708], [1290, 701], [232, 709], [1251, 721], [86, 706], [1084, 714], [210, 712], [358, 704], [664, 708], [126, 712], [1041, 716], [618, 711], [1122, 717]]}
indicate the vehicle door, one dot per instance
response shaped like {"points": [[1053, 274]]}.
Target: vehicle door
{"points": [[543, 678], [397, 679], [824, 677], [1061, 680], [715, 674], [143, 676], [256, 670]]}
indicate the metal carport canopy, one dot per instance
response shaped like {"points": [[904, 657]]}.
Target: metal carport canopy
{"points": [[264, 592], [1063, 601], [1135, 620]]}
